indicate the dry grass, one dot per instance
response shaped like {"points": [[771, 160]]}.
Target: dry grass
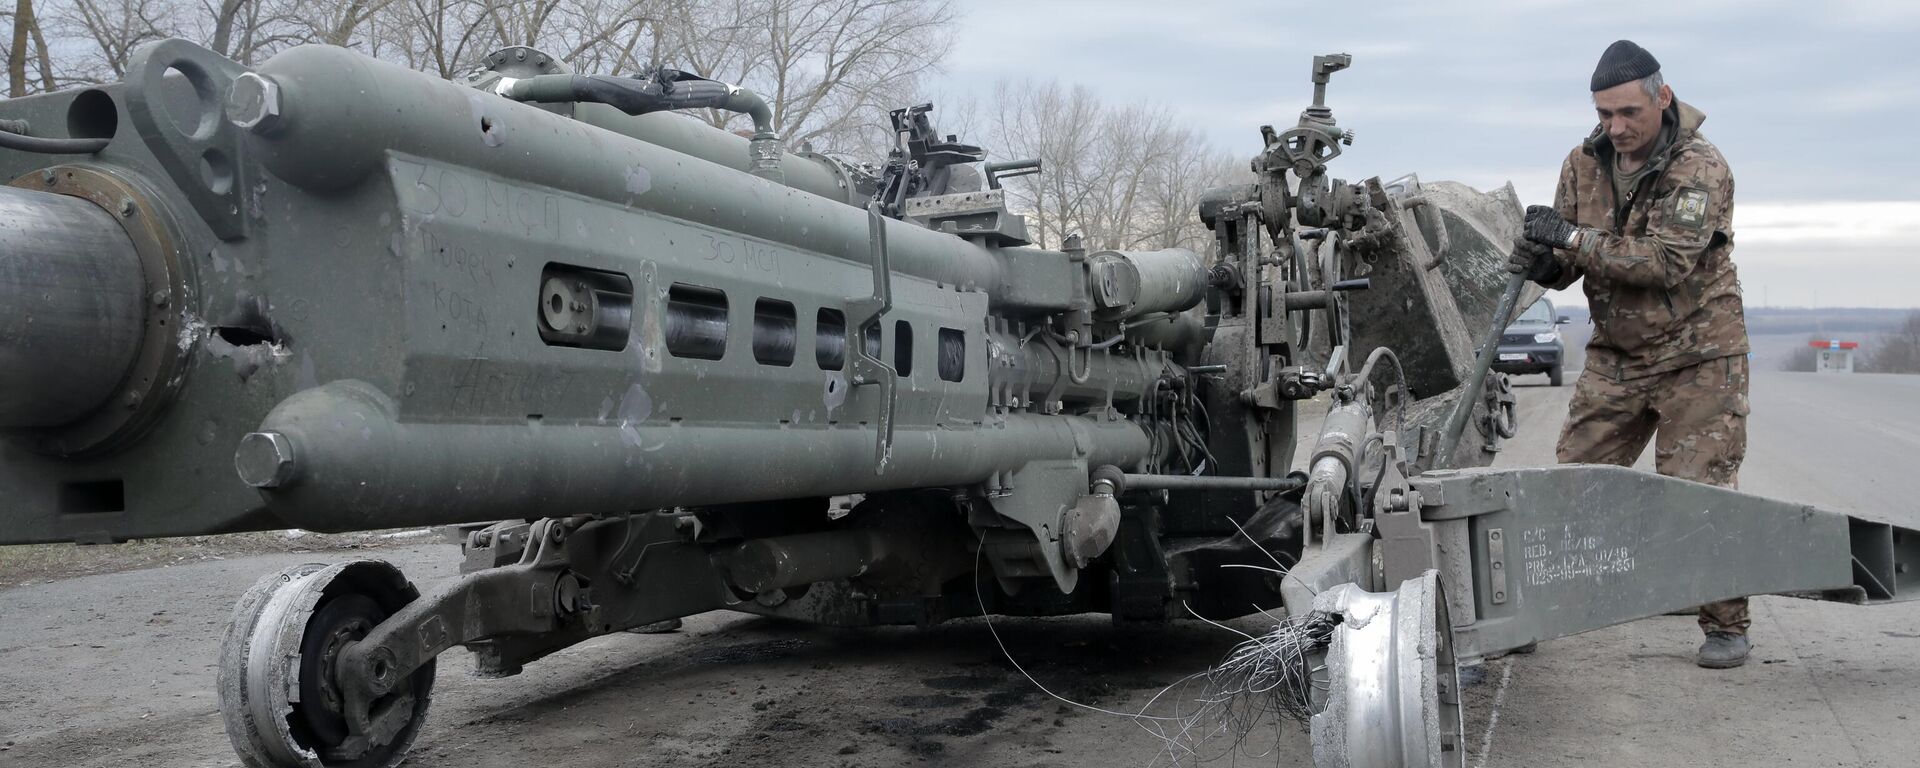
{"points": [[36, 563]]}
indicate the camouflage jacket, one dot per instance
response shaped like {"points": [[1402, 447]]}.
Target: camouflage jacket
{"points": [[1661, 281]]}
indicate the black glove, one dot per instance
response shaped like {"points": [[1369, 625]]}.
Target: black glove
{"points": [[1546, 227], [1533, 260]]}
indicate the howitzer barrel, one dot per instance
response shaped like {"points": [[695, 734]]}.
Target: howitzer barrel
{"points": [[70, 307], [325, 459]]}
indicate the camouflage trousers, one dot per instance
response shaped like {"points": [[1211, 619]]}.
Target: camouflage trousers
{"points": [[1697, 418]]}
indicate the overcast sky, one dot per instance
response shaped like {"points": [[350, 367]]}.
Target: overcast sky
{"points": [[1816, 105]]}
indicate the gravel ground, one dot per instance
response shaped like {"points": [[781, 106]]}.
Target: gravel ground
{"points": [[45, 563], [117, 670]]}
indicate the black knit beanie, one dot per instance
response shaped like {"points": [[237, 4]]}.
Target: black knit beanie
{"points": [[1624, 62]]}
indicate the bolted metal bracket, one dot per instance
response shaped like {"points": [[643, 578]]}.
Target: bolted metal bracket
{"points": [[1041, 498], [177, 96], [1497, 565], [868, 369]]}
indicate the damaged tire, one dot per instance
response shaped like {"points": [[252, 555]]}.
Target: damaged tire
{"points": [[1393, 690], [278, 687]]}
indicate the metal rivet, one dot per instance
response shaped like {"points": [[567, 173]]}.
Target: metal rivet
{"points": [[126, 206]]}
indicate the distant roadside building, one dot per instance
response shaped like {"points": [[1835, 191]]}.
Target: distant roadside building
{"points": [[1833, 356]]}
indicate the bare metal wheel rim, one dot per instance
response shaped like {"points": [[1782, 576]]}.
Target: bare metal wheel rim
{"points": [[1393, 698], [277, 696]]}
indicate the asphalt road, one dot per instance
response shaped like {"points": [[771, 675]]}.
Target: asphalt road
{"points": [[1828, 684], [117, 670]]}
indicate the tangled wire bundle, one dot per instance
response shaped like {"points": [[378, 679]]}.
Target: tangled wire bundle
{"points": [[1265, 681]]}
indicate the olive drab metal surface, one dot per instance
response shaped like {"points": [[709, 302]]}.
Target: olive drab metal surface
{"points": [[653, 369]]}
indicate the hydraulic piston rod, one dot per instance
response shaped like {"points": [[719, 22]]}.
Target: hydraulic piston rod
{"points": [[70, 307]]}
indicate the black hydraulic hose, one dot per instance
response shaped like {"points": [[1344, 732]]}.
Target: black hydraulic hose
{"points": [[668, 90], [636, 96], [46, 146], [1366, 372]]}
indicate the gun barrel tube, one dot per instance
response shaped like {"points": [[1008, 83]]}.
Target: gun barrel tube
{"points": [[71, 315], [344, 461]]}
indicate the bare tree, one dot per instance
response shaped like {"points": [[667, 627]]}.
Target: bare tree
{"points": [[623, 49], [1171, 219], [342, 22], [1058, 127], [22, 19], [594, 35], [225, 14], [27, 43], [1122, 177], [830, 69], [1898, 351], [446, 37], [439, 36], [107, 33], [1804, 358], [246, 31]]}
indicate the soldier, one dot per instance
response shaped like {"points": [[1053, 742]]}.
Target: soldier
{"points": [[1644, 212]]}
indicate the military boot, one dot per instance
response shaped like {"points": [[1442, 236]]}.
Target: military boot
{"points": [[1723, 650]]}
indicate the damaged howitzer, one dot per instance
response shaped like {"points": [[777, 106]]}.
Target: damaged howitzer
{"points": [[335, 294]]}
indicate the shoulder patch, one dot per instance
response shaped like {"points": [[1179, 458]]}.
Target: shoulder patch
{"points": [[1689, 208]]}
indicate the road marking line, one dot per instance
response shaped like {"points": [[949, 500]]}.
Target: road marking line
{"points": [[1493, 720]]}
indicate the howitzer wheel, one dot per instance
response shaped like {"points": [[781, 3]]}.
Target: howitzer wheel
{"points": [[1393, 696], [278, 692]]}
